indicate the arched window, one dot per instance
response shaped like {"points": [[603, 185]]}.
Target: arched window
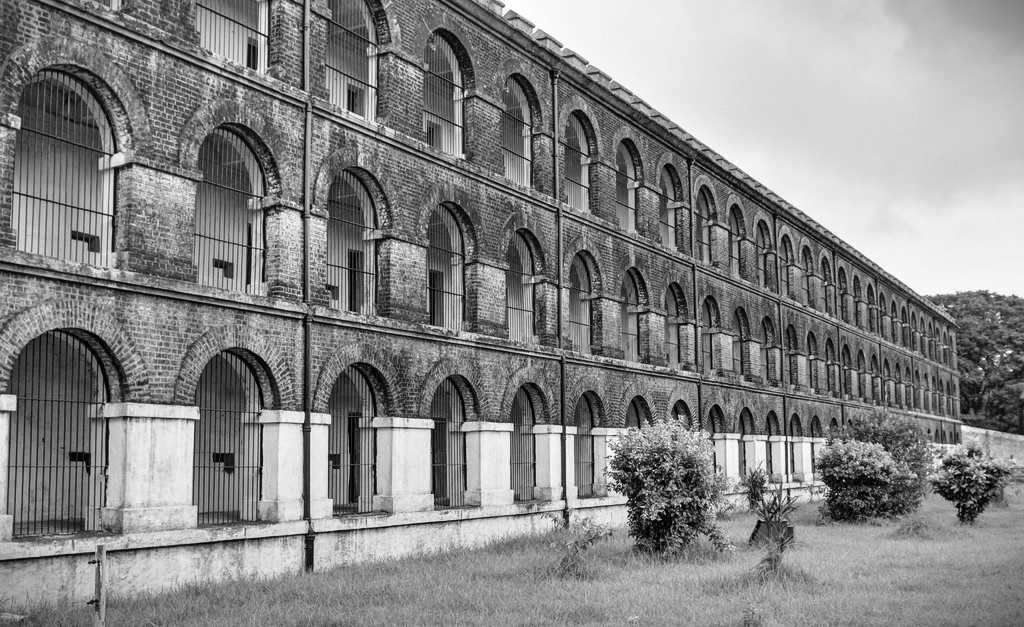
{"points": [[796, 430], [228, 461], [638, 414], [917, 389], [351, 62], [741, 326], [625, 186], [886, 391], [786, 260], [681, 413], [872, 309], [772, 424], [705, 219], [765, 265], [351, 247], [880, 313], [519, 290], [768, 343], [63, 201], [524, 466], [905, 329], [442, 96], [894, 320], [737, 233], [808, 262], [516, 132], [230, 237], [578, 157], [857, 296], [351, 451], [235, 30], [875, 374], [580, 314], [812, 362], [629, 317], [448, 446], [710, 324], [675, 319], [826, 278], [862, 368], [446, 263], [746, 429], [815, 435], [668, 205], [793, 355], [57, 449], [585, 417], [716, 425], [830, 364], [844, 308]]}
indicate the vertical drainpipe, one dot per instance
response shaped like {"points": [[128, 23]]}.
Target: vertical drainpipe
{"points": [[698, 357], [559, 244], [307, 321]]}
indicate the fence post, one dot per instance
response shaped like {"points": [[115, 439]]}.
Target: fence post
{"points": [[100, 601]]}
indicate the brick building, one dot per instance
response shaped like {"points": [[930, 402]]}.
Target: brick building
{"points": [[269, 266]]}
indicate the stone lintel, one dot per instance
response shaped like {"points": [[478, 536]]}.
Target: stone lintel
{"points": [[381, 422], [474, 426], [150, 410]]}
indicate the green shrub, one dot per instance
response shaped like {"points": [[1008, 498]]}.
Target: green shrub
{"points": [[666, 473], [970, 481], [860, 477], [572, 544], [908, 445], [755, 482]]}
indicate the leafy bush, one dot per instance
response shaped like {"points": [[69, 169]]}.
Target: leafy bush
{"points": [[970, 481], [666, 473], [860, 477], [573, 543], [755, 482], [908, 445]]}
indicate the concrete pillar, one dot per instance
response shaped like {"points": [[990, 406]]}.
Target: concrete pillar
{"points": [[570, 464], [403, 465], [756, 452], [780, 472], [8, 404], [548, 453], [603, 438], [149, 472], [320, 504], [282, 464], [727, 454], [488, 463], [801, 448]]}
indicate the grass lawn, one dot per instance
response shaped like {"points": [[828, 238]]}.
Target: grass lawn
{"points": [[847, 574]]}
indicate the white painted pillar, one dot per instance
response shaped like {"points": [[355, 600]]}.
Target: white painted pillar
{"points": [[727, 457], [149, 467], [403, 465], [488, 463], [756, 452], [8, 403], [570, 464], [282, 464], [320, 504], [603, 438], [548, 451], [801, 459], [780, 457]]}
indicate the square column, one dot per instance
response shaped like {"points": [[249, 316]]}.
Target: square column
{"points": [[282, 464], [801, 449], [488, 463], [780, 472], [603, 438], [547, 449], [727, 455], [570, 464], [149, 471], [403, 465], [8, 403], [755, 452], [320, 504]]}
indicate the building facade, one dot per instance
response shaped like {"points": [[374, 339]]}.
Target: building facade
{"points": [[293, 283]]}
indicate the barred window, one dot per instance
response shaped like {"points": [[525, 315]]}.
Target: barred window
{"points": [[703, 229], [576, 150], [57, 451], [675, 317], [629, 317], [793, 350], [520, 291], [524, 466], [235, 29], [737, 232], [830, 363], [765, 264], [351, 246], [446, 263], [812, 362], [826, 278], [638, 414], [742, 334], [230, 234], [625, 188], [63, 193], [585, 418], [516, 132], [768, 368], [772, 424], [352, 58], [844, 309], [580, 314], [442, 96], [448, 446], [746, 428], [710, 325], [351, 450], [857, 294], [786, 259], [808, 269], [668, 206]]}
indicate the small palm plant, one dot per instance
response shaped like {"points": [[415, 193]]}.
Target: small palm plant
{"points": [[773, 517]]}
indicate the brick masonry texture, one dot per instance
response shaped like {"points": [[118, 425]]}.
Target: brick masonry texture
{"points": [[154, 327]]}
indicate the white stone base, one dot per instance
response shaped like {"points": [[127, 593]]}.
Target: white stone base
{"points": [[321, 508], [280, 511], [488, 498], [547, 494], [136, 519], [403, 503], [6, 528]]}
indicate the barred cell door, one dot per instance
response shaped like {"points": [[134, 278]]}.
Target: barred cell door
{"points": [[584, 448], [352, 444], [228, 464], [448, 447], [524, 467], [58, 438]]}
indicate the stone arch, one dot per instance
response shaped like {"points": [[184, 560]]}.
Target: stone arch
{"points": [[381, 374], [440, 25], [584, 248], [704, 182], [463, 208], [97, 324], [467, 384], [626, 136], [353, 160], [519, 221], [517, 70], [270, 364], [529, 378], [745, 418], [637, 277], [90, 64], [717, 421], [670, 160], [243, 117], [576, 388], [384, 28], [591, 125]]}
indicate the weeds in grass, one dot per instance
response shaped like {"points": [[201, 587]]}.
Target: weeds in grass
{"points": [[915, 527], [573, 544], [752, 617]]}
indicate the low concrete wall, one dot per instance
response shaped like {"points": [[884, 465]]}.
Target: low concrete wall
{"points": [[1008, 446]]}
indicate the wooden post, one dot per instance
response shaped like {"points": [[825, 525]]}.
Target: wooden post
{"points": [[100, 601]]}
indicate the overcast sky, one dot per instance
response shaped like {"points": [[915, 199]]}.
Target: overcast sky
{"points": [[898, 124]]}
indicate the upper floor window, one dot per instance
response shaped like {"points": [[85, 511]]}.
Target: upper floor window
{"points": [[793, 355], [769, 370], [230, 238], [235, 29], [351, 246], [710, 324], [577, 155], [630, 317], [516, 132], [668, 205], [829, 296], [737, 233], [740, 361], [765, 263], [63, 192], [675, 318], [808, 262], [580, 297], [894, 320], [812, 365], [352, 58], [858, 320], [446, 263], [703, 229], [786, 259], [442, 96], [519, 290], [872, 310], [625, 187], [830, 362], [844, 308]]}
